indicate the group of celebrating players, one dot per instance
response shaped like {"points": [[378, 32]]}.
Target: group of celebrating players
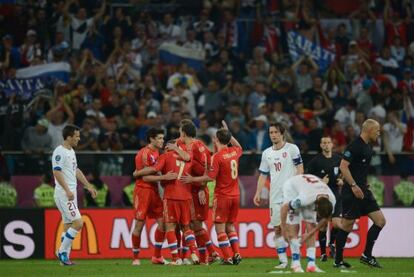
{"points": [[172, 188]]}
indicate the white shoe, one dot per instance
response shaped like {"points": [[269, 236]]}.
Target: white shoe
{"points": [[297, 269], [136, 262], [177, 262], [281, 266], [195, 258], [314, 268], [187, 261]]}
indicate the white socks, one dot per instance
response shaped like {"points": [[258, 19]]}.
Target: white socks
{"points": [[281, 246], [67, 240], [311, 255], [295, 249]]}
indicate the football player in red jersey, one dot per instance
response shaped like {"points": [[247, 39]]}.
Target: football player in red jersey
{"points": [[177, 196], [200, 160], [224, 169], [147, 201]]}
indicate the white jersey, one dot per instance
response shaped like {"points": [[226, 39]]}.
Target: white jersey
{"points": [[64, 160], [301, 191], [281, 164]]}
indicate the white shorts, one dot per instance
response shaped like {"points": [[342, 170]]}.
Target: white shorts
{"points": [[307, 215], [68, 209], [275, 213]]}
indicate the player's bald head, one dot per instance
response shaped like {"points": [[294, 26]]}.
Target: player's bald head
{"points": [[369, 124]]}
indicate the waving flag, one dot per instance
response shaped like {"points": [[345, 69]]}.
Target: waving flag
{"points": [[299, 46], [58, 71], [172, 53]]}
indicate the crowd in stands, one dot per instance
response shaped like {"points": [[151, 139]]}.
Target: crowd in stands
{"points": [[119, 87]]}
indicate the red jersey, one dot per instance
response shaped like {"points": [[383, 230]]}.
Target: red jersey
{"points": [[174, 189], [224, 168], [147, 156], [200, 153]]}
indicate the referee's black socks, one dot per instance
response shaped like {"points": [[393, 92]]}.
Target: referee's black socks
{"points": [[334, 232], [372, 236], [322, 241], [340, 244]]}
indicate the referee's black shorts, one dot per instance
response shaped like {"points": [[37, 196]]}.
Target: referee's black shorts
{"points": [[354, 208]]}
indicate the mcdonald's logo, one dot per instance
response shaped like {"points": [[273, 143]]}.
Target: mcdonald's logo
{"points": [[91, 238]]}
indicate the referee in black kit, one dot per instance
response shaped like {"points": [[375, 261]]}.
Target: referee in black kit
{"points": [[326, 166], [357, 198]]}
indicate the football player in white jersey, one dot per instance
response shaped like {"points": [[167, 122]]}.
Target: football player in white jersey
{"points": [[305, 197], [282, 160], [66, 173]]}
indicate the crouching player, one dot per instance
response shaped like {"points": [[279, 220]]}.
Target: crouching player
{"points": [[305, 197]]}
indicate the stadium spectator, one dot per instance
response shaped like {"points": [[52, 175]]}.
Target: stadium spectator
{"points": [[44, 194], [8, 193], [36, 139]]}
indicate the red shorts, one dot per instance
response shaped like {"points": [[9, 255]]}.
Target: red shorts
{"points": [[200, 211], [147, 203], [178, 211], [225, 210]]}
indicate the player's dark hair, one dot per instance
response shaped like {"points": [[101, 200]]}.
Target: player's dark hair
{"points": [[185, 121], [152, 133], [223, 136], [279, 126], [189, 130], [69, 130], [324, 207], [326, 136]]}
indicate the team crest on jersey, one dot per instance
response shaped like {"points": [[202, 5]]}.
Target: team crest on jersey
{"points": [[284, 155], [201, 149], [57, 158], [152, 159]]}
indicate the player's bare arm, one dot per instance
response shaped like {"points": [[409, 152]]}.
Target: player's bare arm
{"points": [[143, 172], [233, 140], [81, 177], [188, 179], [61, 181], [309, 234], [344, 167], [299, 169], [156, 178], [260, 184], [183, 154]]}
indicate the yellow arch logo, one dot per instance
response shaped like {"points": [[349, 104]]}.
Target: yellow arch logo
{"points": [[91, 238]]}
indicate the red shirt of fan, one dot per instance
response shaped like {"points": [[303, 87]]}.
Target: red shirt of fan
{"points": [[147, 156], [224, 168], [174, 189]]}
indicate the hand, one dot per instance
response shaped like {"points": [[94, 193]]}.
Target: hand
{"points": [[225, 127], [187, 179], [357, 192], [70, 195], [325, 179], [170, 176], [135, 174], [339, 182], [92, 191], [171, 146], [305, 237], [202, 197], [256, 199]]}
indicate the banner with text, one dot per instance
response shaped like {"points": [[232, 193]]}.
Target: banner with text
{"points": [[107, 234]]}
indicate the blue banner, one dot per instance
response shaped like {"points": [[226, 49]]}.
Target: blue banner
{"points": [[25, 88], [299, 46]]}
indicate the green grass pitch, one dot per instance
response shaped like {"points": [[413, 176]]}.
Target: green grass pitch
{"points": [[249, 267]]}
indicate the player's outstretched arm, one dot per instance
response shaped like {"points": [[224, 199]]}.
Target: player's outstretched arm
{"points": [[81, 177], [260, 185], [188, 179], [157, 178], [143, 172], [321, 223]]}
